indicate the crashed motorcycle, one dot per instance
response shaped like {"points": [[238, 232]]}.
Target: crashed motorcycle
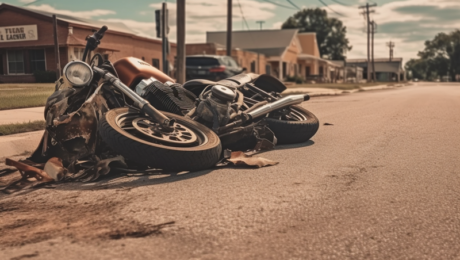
{"points": [[231, 105], [101, 110], [94, 115]]}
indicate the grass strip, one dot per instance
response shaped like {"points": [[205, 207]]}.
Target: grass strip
{"points": [[30, 126], [24, 95]]}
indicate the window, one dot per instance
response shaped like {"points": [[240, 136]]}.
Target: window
{"points": [[37, 60], [307, 71], [15, 62], [156, 63], [253, 66], [78, 53], [268, 69]]}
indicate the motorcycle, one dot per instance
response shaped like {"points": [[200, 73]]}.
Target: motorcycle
{"points": [[93, 116], [102, 110], [255, 98]]}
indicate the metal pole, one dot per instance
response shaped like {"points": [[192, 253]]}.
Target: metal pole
{"points": [[163, 38], [373, 63], [180, 70], [56, 48], [229, 27], [368, 44]]}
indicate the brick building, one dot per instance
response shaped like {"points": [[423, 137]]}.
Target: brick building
{"points": [[27, 43]]}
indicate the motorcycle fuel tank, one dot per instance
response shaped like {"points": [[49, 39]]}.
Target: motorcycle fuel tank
{"points": [[132, 70]]}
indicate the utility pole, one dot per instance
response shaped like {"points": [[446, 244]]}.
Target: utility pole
{"points": [[229, 27], [391, 45], [180, 68], [374, 26], [367, 13], [164, 38], [260, 23], [56, 48]]}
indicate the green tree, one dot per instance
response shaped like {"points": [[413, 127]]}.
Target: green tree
{"points": [[442, 54], [330, 32], [418, 67]]}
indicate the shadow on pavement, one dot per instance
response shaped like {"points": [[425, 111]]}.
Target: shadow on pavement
{"points": [[132, 180]]}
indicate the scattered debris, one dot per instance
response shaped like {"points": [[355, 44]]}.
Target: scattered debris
{"points": [[242, 159]]}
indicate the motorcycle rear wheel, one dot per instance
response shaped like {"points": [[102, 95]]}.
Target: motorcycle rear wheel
{"points": [[299, 127], [190, 147]]}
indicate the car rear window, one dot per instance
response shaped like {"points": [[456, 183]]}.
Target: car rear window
{"points": [[200, 61]]}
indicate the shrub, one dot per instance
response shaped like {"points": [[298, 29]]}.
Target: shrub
{"points": [[296, 79], [45, 76]]}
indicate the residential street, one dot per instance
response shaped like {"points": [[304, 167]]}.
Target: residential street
{"points": [[381, 182]]}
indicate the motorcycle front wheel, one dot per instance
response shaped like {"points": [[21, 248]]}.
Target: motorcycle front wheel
{"points": [[296, 127], [187, 146]]}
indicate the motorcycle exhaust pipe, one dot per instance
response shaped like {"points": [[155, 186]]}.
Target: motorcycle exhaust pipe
{"points": [[280, 103], [265, 109]]}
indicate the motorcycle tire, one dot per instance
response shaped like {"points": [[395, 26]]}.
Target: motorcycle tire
{"points": [[146, 151], [294, 131]]}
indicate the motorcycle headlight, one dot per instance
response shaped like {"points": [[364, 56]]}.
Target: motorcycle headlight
{"points": [[78, 73]]}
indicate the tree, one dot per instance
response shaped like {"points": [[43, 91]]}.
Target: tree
{"points": [[330, 32], [442, 54]]}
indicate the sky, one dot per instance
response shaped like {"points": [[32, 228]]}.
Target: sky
{"points": [[407, 23]]}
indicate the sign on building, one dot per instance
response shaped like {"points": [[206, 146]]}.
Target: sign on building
{"points": [[18, 33]]}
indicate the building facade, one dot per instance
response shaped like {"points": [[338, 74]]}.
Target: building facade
{"points": [[286, 53], [27, 43], [386, 70]]}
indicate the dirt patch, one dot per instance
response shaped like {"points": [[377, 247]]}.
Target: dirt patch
{"points": [[28, 219]]}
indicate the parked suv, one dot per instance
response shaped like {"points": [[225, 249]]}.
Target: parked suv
{"points": [[211, 67]]}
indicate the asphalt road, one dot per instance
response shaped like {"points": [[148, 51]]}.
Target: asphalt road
{"points": [[382, 182]]}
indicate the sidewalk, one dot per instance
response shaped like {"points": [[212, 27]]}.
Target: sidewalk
{"points": [[21, 115], [19, 143]]}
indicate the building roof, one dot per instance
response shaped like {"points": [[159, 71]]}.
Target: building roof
{"points": [[268, 42]]}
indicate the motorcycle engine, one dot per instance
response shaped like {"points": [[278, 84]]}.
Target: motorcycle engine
{"points": [[215, 106]]}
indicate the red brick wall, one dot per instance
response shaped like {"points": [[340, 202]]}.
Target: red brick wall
{"points": [[44, 29], [128, 45]]}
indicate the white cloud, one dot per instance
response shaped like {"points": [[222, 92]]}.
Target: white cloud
{"points": [[277, 25], [82, 14]]}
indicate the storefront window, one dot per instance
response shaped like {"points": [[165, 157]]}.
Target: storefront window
{"points": [[156, 63], [15, 62], [78, 52], [37, 60]]}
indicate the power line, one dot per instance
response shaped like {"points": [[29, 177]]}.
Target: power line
{"points": [[322, 2], [242, 14], [289, 1], [278, 4], [34, 2], [338, 2]]}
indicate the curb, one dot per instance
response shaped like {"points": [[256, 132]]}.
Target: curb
{"points": [[335, 92]]}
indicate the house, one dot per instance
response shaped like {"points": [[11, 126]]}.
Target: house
{"points": [[27, 42], [281, 53], [386, 70]]}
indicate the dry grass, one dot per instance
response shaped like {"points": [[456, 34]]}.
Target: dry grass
{"points": [[10, 129], [24, 95]]}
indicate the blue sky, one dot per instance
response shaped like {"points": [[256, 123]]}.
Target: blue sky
{"points": [[408, 23]]}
